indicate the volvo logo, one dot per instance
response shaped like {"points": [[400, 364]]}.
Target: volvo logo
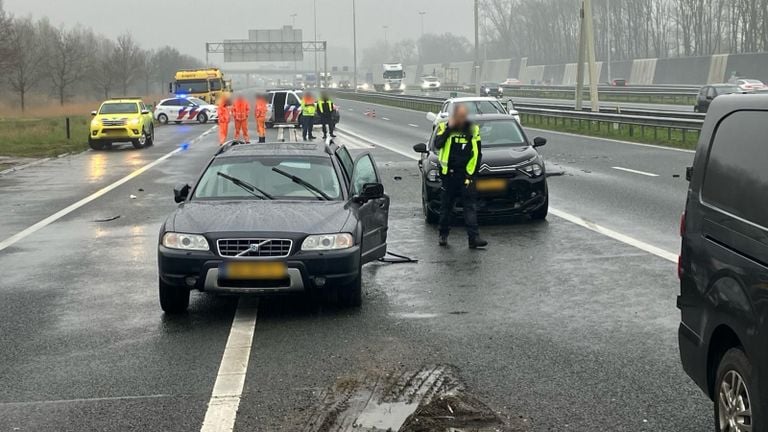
{"points": [[253, 248]]}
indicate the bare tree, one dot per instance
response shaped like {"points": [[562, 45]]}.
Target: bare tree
{"points": [[127, 60], [27, 58], [6, 50], [67, 60], [102, 66]]}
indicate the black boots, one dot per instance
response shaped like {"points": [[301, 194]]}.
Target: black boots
{"points": [[443, 240], [262, 139], [477, 243]]}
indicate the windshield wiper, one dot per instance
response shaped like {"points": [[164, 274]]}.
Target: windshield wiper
{"points": [[246, 186], [309, 186]]}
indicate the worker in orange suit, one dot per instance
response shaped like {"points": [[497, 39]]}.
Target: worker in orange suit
{"points": [[261, 117], [223, 113], [241, 110]]}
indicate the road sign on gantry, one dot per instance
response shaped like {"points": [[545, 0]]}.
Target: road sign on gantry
{"points": [[283, 44]]}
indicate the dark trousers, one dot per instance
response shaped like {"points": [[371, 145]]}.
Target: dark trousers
{"points": [[327, 120], [307, 123], [453, 188]]}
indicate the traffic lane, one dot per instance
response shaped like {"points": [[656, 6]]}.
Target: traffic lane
{"points": [[84, 344], [554, 324], [644, 207], [36, 192]]}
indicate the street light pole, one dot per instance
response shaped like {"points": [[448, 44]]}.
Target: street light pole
{"points": [[293, 26], [422, 13], [317, 75], [610, 39], [386, 34], [477, 48], [354, 45]]}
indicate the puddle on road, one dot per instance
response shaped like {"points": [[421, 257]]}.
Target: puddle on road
{"points": [[431, 399]]}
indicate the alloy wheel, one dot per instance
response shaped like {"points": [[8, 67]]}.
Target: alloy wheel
{"points": [[735, 405]]}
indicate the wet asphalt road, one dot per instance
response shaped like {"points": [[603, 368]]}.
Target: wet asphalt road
{"points": [[555, 327]]}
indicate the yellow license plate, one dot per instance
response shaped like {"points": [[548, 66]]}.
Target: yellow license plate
{"points": [[254, 270], [491, 185]]}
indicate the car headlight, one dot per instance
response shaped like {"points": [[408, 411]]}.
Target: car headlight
{"points": [[501, 90], [95, 123], [387, 87], [402, 86], [433, 175], [133, 121], [181, 241], [487, 90], [324, 242], [533, 170]]}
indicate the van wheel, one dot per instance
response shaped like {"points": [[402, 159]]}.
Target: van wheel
{"points": [[736, 399], [173, 300], [351, 295], [163, 119], [202, 118]]}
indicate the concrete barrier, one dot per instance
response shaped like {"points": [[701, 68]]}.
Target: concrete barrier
{"points": [[688, 70], [465, 71], [412, 75], [718, 68], [748, 66], [643, 71], [496, 70]]}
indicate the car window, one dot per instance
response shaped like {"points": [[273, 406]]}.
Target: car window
{"points": [[735, 179], [365, 172], [119, 108], [172, 102], [711, 92], [257, 170], [501, 133], [444, 109], [292, 100], [346, 161]]}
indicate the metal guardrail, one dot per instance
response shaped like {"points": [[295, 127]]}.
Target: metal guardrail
{"points": [[636, 124], [615, 110]]}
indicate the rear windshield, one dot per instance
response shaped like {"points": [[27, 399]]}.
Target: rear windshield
{"points": [[257, 171], [119, 108]]}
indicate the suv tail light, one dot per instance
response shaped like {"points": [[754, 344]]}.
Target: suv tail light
{"points": [[682, 224]]}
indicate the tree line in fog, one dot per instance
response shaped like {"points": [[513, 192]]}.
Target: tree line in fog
{"points": [[547, 31], [37, 57]]}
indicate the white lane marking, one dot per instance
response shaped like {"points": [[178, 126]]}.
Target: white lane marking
{"points": [[661, 253], [98, 194], [647, 174], [409, 155], [228, 389], [611, 140], [413, 125], [85, 400], [385, 119], [350, 109]]}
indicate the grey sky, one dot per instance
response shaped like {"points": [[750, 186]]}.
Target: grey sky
{"points": [[188, 24]]}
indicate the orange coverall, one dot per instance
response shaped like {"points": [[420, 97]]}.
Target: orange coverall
{"points": [[222, 109], [261, 118], [241, 110]]}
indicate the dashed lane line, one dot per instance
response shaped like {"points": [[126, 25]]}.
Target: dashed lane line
{"points": [[642, 173], [10, 241], [631, 241], [413, 125]]}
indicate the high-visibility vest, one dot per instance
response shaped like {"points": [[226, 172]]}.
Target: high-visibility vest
{"points": [[261, 108], [325, 106], [460, 139], [308, 108], [223, 111], [241, 110]]}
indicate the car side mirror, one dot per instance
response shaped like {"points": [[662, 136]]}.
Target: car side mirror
{"points": [[371, 191], [420, 148], [93, 113], [144, 112], [431, 116], [539, 142], [180, 193], [510, 106]]}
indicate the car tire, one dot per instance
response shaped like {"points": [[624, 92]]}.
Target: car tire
{"points": [[735, 367], [95, 145], [163, 119], [541, 213], [351, 295], [151, 137], [141, 142], [173, 299], [202, 118]]}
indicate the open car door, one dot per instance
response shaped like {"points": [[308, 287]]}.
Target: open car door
{"points": [[373, 213]]}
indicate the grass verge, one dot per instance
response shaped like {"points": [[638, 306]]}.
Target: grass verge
{"points": [[42, 137]]}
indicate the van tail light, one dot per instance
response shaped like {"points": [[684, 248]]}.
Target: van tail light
{"points": [[682, 224]]}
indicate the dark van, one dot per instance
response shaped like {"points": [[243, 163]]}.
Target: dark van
{"points": [[723, 265]]}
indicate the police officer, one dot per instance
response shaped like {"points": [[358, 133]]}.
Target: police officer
{"points": [[460, 152], [308, 109], [325, 108]]}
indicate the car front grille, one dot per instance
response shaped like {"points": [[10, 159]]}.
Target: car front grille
{"points": [[254, 248], [119, 122]]}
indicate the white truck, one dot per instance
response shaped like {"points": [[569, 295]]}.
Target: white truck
{"points": [[391, 80]]}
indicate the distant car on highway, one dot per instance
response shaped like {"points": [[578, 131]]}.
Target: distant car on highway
{"points": [[274, 218], [750, 85], [345, 84], [511, 176], [723, 265], [430, 83], [708, 93], [364, 86], [185, 109], [121, 120], [512, 82], [476, 105], [619, 82], [492, 89]]}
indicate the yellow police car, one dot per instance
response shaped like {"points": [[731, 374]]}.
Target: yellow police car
{"points": [[121, 120]]}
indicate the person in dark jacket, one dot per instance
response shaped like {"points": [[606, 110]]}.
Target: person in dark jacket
{"points": [[460, 152]]}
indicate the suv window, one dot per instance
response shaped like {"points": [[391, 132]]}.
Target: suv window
{"points": [[292, 100], [736, 180]]}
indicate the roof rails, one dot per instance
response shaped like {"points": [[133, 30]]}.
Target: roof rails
{"points": [[228, 145]]}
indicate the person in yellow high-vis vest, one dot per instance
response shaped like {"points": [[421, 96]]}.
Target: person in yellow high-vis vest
{"points": [[460, 151], [308, 110]]}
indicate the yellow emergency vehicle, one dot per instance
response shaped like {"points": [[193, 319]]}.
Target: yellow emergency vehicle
{"points": [[121, 120], [206, 84]]}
